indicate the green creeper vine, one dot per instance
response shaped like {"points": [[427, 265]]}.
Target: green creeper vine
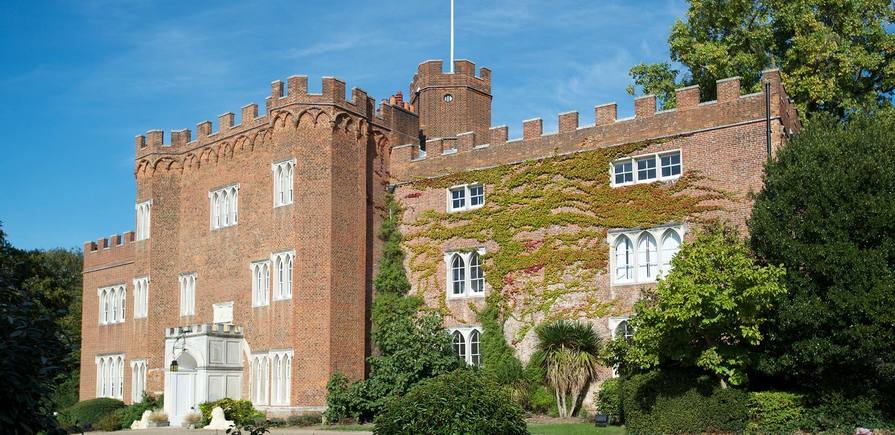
{"points": [[549, 218]]}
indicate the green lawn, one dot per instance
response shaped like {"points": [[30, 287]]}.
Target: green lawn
{"points": [[573, 429]]}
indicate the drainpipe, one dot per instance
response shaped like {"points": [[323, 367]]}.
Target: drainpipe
{"points": [[767, 114]]}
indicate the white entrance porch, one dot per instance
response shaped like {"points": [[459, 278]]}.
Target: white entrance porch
{"points": [[208, 367]]}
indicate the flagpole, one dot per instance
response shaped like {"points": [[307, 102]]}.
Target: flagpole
{"points": [[452, 36]]}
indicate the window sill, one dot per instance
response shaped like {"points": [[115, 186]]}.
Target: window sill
{"points": [[282, 205], [468, 208], [652, 180], [467, 296]]}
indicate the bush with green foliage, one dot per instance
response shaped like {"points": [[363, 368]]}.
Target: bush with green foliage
{"points": [[709, 310], [109, 422], [682, 402], [609, 399], [241, 412], [88, 412], [307, 419], [776, 412], [460, 402], [826, 213], [411, 341], [836, 412], [135, 411]]}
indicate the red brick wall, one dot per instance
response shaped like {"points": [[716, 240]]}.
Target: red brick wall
{"points": [[347, 153]]}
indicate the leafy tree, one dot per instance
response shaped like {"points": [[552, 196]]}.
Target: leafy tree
{"points": [[827, 212], [35, 348], [412, 343], [568, 354], [708, 311], [834, 56]]}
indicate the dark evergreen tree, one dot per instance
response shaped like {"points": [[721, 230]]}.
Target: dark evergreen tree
{"points": [[35, 344], [827, 212]]}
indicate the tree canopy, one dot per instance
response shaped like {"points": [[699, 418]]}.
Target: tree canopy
{"points": [[40, 308], [835, 56], [827, 211], [708, 311]]}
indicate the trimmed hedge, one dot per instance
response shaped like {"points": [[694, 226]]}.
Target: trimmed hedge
{"points": [[240, 411], [776, 412], [834, 411], [460, 402], [87, 414], [682, 402], [609, 399]]}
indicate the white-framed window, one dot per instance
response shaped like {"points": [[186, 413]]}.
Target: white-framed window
{"points": [[283, 175], [144, 213], [138, 379], [647, 257], [188, 294], [646, 168], [260, 378], [260, 283], [467, 344], [465, 197], [648, 262], [110, 376], [112, 303], [141, 297], [282, 269], [224, 205], [281, 376], [465, 276]]}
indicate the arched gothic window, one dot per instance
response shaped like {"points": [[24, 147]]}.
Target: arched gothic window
{"points": [[671, 244], [647, 257], [475, 357], [459, 345], [476, 277], [624, 259], [275, 391], [624, 330], [458, 276], [122, 302]]}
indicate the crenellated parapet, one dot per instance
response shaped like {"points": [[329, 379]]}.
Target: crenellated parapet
{"points": [[431, 74], [467, 151], [115, 250], [290, 103]]}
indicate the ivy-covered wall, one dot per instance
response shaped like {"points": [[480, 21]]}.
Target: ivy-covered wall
{"points": [[544, 226]]}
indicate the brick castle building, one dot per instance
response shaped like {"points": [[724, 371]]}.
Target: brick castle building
{"points": [[250, 271]]}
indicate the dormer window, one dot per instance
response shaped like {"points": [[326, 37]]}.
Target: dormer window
{"points": [[466, 197]]}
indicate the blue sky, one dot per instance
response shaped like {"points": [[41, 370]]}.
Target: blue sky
{"points": [[79, 79]]}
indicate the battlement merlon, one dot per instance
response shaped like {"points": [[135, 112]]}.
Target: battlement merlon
{"points": [[283, 95], [109, 252], [431, 74], [690, 115]]}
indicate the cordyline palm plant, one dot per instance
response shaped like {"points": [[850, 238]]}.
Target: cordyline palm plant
{"points": [[568, 356]]}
